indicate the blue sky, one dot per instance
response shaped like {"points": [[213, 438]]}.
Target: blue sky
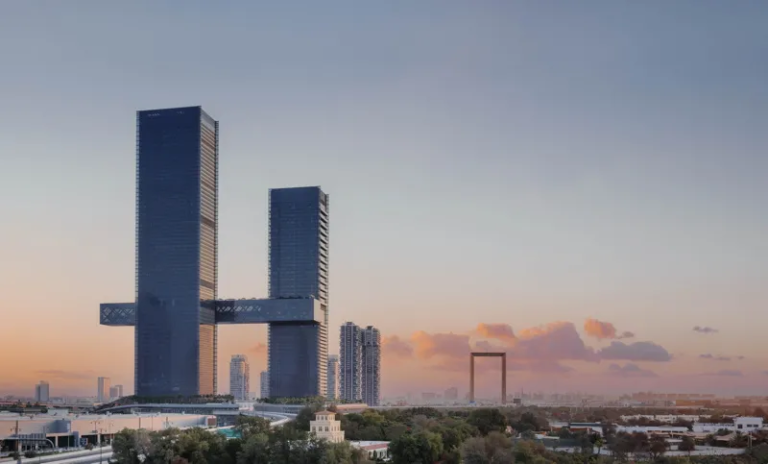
{"points": [[501, 162]]}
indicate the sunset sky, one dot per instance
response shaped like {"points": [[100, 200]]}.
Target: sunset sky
{"points": [[581, 184]]}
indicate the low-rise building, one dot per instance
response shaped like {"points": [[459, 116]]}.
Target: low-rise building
{"points": [[61, 430], [740, 424], [374, 449], [326, 427]]}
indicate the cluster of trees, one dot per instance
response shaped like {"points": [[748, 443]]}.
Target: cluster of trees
{"points": [[427, 435], [180, 399], [303, 400], [259, 444], [21, 407]]}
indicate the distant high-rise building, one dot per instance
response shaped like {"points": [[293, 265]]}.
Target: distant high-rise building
{"points": [[333, 377], [371, 366], [116, 392], [42, 392], [451, 394], [298, 268], [264, 381], [102, 394], [351, 362], [239, 377]]}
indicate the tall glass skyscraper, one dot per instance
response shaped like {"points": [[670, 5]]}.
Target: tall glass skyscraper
{"points": [[371, 366], [176, 266], [298, 268], [351, 362]]}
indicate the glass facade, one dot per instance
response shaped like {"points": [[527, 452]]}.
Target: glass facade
{"points": [[298, 268], [176, 265], [351, 362], [371, 366]]}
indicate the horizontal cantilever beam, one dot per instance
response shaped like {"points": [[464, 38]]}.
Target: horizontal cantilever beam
{"points": [[117, 314], [259, 311]]}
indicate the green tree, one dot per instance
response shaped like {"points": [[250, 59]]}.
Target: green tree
{"points": [[416, 448], [527, 452], [251, 425], [304, 416], [495, 448], [394, 430], [598, 443], [657, 446], [255, 450], [621, 445], [487, 420], [687, 444], [128, 445]]}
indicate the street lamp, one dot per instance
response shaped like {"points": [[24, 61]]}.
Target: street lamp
{"points": [[96, 424]]}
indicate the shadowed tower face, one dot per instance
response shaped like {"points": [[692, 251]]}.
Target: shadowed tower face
{"points": [[177, 186], [298, 268]]}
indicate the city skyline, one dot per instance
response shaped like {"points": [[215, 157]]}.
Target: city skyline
{"points": [[592, 204]]}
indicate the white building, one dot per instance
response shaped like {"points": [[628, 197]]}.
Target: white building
{"points": [[239, 377], [42, 392], [740, 424], [371, 366], [102, 392], [63, 430], [333, 377], [116, 392], [652, 429], [326, 427], [665, 418], [351, 362], [373, 449], [264, 381]]}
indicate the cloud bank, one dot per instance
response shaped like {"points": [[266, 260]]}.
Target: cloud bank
{"points": [[542, 348], [604, 330], [629, 370]]}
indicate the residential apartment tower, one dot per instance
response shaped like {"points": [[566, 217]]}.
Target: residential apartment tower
{"points": [[239, 377]]}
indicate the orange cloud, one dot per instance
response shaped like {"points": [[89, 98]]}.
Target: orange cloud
{"points": [[258, 349], [554, 341], [448, 345], [394, 347], [603, 330], [501, 332]]}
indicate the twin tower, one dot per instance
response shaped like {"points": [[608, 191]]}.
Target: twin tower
{"points": [[177, 310]]}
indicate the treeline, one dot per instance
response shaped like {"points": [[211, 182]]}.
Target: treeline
{"points": [[260, 444], [306, 400], [180, 399]]}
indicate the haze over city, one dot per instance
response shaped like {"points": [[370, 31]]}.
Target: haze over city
{"points": [[581, 191]]}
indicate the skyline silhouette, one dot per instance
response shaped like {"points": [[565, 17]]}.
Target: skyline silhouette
{"points": [[581, 185]]}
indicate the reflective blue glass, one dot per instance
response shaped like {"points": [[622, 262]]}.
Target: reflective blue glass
{"points": [[177, 184], [298, 267]]}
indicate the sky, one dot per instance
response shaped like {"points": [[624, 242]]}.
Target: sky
{"points": [[541, 178]]}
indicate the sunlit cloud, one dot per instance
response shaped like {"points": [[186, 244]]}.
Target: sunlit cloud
{"points": [[704, 329], [258, 349], [638, 351], [449, 345], [500, 332], [629, 370], [394, 347], [604, 330]]}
